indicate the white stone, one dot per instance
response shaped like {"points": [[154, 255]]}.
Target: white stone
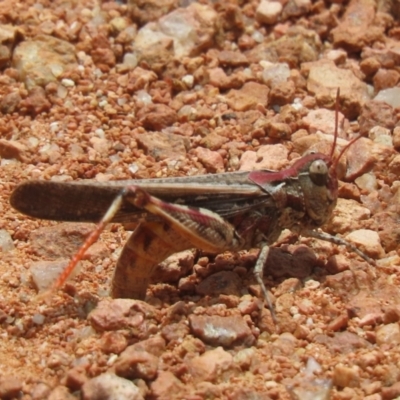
{"points": [[275, 74], [268, 12], [6, 242], [390, 96], [67, 82], [130, 60], [367, 182], [188, 80]]}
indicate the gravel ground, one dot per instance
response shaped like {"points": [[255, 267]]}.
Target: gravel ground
{"points": [[156, 88]]}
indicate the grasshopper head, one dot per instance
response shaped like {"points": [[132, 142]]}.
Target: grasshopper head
{"points": [[319, 187], [308, 189]]}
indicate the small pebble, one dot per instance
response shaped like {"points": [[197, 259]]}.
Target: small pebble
{"points": [[6, 242]]}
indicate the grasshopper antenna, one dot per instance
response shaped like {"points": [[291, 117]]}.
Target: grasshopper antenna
{"points": [[336, 122], [335, 161]]}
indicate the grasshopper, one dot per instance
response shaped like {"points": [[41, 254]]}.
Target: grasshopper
{"points": [[228, 211]]}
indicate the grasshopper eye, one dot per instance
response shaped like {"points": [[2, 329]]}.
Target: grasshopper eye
{"points": [[319, 172]]}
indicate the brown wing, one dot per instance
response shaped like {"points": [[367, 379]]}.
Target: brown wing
{"points": [[88, 201]]}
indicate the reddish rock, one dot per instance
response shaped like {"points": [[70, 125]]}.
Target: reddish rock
{"points": [[10, 386], [369, 66], [10, 103], [223, 282], [123, 313], [302, 141], [284, 344], [154, 345], [221, 331], [360, 158], [104, 58], [392, 392], [339, 323], [210, 365], [338, 56], [387, 56], [323, 120], [294, 261], [358, 27], [396, 138], [248, 97], [136, 364], [12, 149], [282, 93], [110, 386], [61, 393], [97, 251], [175, 332], [394, 166], [376, 113], [36, 102], [367, 241], [140, 78], [174, 267], [213, 141], [296, 46], [384, 79], [346, 376], [145, 11], [388, 228], [370, 359], [224, 82], [391, 314], [338, 263], [212, 160], [218, 78], [40, 391], [343, 342], [371, 319], [348, 190], [58, 241], [167, 383], [278, 130], [364, 304], [270, 156], [345, 283], [232, 58], [388, 334], [155, 117], [163, 145], [113, 342], [217, 391], [324, 77], [76, 378], [289, 285], [101, 145]]}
